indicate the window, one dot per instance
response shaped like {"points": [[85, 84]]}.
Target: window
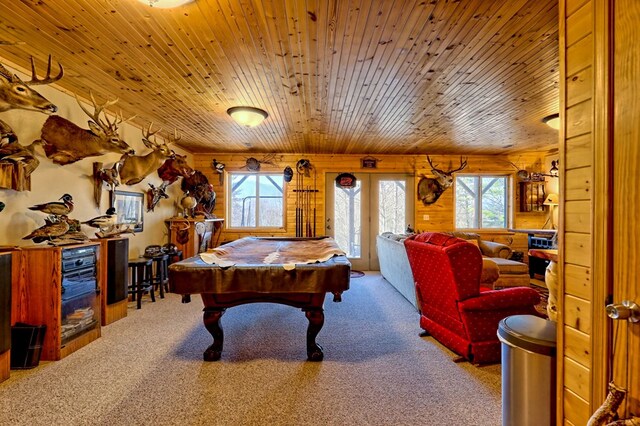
{"points": [[256, 200], [481, 201]]}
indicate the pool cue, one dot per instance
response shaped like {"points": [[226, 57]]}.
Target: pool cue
{"points": [[315, 193], [308, 211], [299, 207], [298, 211]]}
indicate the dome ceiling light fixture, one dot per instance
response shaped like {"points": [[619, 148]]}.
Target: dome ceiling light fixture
{"points": [[552, 121], [247, 116], [165, 4]]}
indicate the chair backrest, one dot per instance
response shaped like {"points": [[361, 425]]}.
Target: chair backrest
{"points": [[446, 269]]}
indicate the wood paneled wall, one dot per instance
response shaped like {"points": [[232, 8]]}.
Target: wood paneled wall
{"points": [[575, 357], [441, 214]]}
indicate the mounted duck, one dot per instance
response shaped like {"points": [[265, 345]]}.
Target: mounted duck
{"points": [[49, 231], [105, 221], [55, 207]]}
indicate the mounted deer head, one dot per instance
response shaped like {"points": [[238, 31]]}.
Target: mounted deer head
{"points": [[430, 189], [66, 143], [17, 94], [136, 168]]}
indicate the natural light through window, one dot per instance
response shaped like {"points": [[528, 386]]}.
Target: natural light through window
{"points": [[392, 210], [256, 200], [481, 201], [348, 224]]}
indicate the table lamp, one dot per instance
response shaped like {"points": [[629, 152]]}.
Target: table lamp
{"points": [[551, 200]]}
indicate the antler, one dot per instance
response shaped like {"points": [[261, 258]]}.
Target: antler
{"points": [[6, 73], [176, 137], [147, 134], [97, 109], [462, 165], [48, 79], [432, 166]]}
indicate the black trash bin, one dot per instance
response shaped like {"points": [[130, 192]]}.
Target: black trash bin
{"points": [[528, 371], [26, 345]]}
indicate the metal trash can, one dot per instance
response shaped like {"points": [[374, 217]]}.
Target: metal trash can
{"points": [[26, 345], [528, 371]]}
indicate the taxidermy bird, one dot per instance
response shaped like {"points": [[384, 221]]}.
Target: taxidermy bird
{"points": [[219, 168], [48, 231], [188, 203], [105, 221], [55, 207]]}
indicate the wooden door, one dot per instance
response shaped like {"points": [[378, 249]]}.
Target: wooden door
{"points": [[625, 337]]}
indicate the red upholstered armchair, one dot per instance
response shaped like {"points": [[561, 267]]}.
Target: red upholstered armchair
{"points": [[454, 308]]}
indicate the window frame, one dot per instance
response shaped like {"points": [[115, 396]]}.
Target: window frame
{"points": [[229, 201], [478, 219]]}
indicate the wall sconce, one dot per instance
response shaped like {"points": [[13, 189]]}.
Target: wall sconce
{"points": [[247, 116], [553, 171], [165, 4], [552, 121]]}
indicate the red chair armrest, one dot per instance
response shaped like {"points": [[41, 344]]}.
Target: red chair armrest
{"points": [[501, 299]]}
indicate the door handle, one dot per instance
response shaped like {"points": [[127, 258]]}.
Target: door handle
{"points": [[627, 310]]}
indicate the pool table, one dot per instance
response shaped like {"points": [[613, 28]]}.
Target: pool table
{"points": [[298, 272]]}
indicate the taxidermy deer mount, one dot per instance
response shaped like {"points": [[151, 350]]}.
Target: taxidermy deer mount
{"points": [[17, 94], [64, 142], [430, 189], [135, 168]]}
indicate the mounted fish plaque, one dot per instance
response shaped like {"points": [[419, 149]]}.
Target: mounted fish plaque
{"points": [[346, 180]]}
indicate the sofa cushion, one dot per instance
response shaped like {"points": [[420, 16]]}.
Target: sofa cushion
{"points": [[509, 267], [490, 271]]}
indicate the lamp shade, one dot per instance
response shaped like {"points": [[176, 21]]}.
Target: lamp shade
{"points": [[552, 121], [165, 4], [247, 116], [551, 200]]}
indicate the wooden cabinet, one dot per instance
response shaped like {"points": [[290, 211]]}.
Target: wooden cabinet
{"points": [[194, 236], [5, 315], [531, 196], [114, 255], [58, 287]]}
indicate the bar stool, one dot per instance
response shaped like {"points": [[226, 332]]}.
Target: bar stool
{"points": [[141, 279], [161, 277], [174, 256]]}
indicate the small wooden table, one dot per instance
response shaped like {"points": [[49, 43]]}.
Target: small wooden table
{"points": [[193, 236]]}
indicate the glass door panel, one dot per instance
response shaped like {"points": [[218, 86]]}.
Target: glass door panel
{"points": [[392, 206], [355, 216]]}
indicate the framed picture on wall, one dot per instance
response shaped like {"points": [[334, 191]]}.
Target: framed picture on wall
{"points": [[129, 207]]}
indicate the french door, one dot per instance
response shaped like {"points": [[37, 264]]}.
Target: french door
{"points": [[355, 216]]}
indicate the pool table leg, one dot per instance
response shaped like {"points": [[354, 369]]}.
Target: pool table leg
{"points": [[212, 324], [316, 321]]}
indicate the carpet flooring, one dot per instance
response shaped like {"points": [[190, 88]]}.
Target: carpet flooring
{"points": [[147, 369]]}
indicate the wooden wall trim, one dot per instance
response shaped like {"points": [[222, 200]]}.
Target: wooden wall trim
{"points": [[563, 5], [602, 198]]}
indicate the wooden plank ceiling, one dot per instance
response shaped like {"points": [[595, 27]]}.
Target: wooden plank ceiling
{"points": [[358, 76]]}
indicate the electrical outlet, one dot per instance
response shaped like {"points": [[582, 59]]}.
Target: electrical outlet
{"points": [[425, 217]]}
